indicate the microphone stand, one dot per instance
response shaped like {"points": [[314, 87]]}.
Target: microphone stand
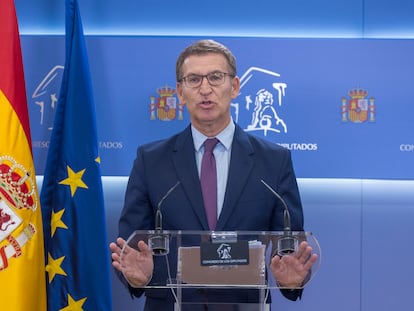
{"points": [[159, 242], [287, 244]]}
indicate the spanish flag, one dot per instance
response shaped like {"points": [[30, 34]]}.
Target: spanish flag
{"points": [[22, 272]]}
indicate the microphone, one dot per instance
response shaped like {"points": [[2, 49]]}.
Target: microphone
{"points": [[288, 243], [159, 242]]}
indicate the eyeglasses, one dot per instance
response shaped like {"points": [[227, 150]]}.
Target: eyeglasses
{"points": [[214, 78]]}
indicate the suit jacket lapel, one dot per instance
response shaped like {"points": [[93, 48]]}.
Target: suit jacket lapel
{"points": [[241, 164], [186, 167]]}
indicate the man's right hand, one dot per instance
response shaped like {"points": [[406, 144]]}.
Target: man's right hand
{"points": [[136, 265]]}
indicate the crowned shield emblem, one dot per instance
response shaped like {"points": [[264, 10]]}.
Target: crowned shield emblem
{"points": [[17, 197], [358, 108], [165, 107]]}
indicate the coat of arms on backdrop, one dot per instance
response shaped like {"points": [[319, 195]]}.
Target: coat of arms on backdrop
{"points": [[358, 108], [165, 106]]}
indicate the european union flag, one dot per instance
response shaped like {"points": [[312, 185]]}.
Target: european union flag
{"points": [[77, 255]]}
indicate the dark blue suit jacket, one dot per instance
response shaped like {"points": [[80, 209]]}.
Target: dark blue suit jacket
{"points": [[248, 205]]}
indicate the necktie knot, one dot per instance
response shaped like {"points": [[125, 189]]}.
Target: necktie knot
{"points": [[210, 144]]}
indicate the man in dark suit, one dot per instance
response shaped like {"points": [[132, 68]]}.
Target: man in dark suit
{"points": [[206, 83]]}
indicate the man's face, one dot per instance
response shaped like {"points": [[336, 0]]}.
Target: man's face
{"points": [[209, 106]]}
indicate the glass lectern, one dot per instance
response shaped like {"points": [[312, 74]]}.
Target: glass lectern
{"points": [[218, 263]]}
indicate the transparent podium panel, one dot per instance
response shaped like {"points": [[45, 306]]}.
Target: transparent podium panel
{"points": [[230, 268]]}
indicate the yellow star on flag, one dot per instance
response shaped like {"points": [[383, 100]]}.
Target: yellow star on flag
{"points": [[74, 180], [74, 305], [57, 222], [53, 267]]}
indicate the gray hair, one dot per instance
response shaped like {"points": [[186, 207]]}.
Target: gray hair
{"points": [[203, 47]]}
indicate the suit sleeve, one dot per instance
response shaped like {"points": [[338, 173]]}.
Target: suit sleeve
{"points": [[137, 213], [288, 188]]}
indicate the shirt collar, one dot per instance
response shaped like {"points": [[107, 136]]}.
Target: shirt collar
{"points": [[225, 136]]}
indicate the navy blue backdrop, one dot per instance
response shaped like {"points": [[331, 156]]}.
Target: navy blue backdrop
{"points": [[343, 106]]}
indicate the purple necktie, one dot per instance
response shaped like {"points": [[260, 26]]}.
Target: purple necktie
{"points": [[208, 181]]}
